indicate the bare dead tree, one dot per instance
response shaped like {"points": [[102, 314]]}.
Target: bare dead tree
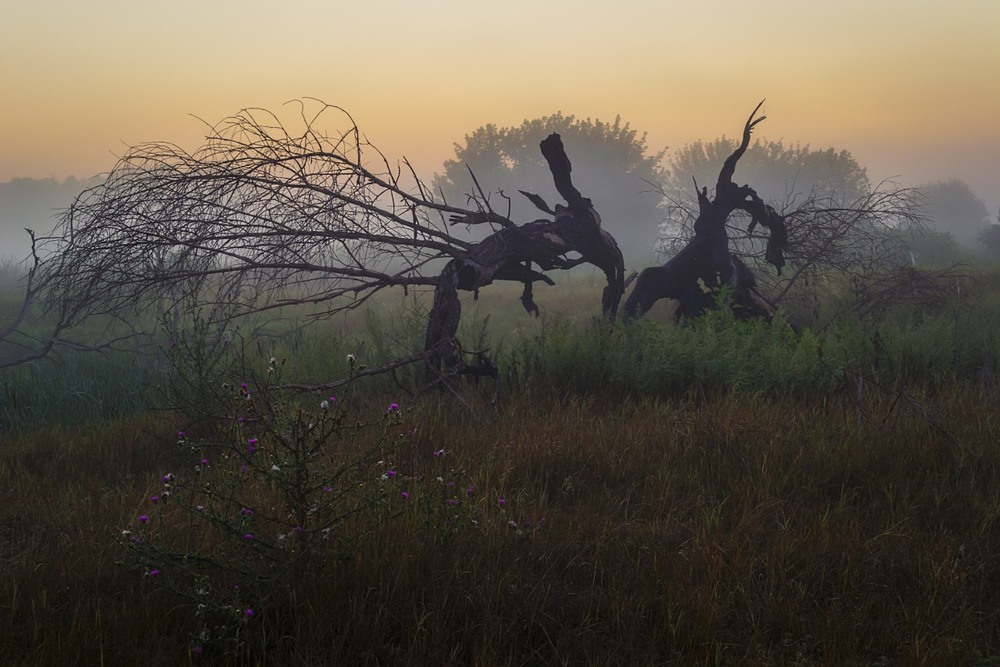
{"points": [[817, 244], [265, 216], [509, 253], [706, 263]]}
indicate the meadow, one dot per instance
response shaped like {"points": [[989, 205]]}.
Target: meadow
{"points": [[644, 494]]}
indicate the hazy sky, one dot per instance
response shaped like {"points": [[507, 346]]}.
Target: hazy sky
{"points": [[910, 87]]}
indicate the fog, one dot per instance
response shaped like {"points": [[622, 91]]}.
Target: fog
{"points": [[34, 204], [621, 199]]}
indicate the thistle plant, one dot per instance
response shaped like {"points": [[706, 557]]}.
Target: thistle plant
{"points": [[273, 490], [274, 498]]}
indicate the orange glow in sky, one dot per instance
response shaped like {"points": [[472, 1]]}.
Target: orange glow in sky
{"points": [[910, 87]]}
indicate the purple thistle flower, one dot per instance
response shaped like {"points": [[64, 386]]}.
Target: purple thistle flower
{"points": [[393, 407], [143, 518], [327, 488], [180, 435], [405, 495], [501, 502], [204, 462], [249, 613], [246, 511], [166, 479], [438, 453], [470, 490], [153, 573], [154, 499], [248, 537]]}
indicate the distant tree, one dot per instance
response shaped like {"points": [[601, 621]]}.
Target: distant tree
{"points": [[990, 237], [952, 207], [930, 247], [611, 163]]}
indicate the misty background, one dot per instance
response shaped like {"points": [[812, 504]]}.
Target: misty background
{"points": [[632, 184], [36, 204]]}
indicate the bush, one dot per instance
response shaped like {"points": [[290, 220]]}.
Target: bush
{"points": [[281, 493]]}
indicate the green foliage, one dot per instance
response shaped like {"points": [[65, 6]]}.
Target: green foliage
{"points": [[567, 352], [612, 165], [69, 387], [719, 353]]}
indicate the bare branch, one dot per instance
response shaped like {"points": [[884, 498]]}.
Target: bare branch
{"points": [[266, 215]]}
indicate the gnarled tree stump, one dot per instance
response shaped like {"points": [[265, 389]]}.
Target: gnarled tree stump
{"points": [[694, 275]]}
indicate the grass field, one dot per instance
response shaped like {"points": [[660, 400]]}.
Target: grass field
{"points": [[718, 493]]}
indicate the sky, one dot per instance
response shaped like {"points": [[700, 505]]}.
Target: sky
{"points": [[910, 87]]}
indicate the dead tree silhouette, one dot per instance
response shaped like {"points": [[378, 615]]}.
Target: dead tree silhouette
{"points": [[269, 214], [705, 264]]}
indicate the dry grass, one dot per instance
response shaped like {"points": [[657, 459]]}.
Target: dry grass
{"points": [[717, 530]]}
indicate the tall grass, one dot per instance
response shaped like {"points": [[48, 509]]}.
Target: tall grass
{"points": [[713, 493], [734, 530], [720, 353], [69, 388]]}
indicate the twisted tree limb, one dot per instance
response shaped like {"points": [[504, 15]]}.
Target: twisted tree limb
{"points": [[510, 252], [695, 274]]}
